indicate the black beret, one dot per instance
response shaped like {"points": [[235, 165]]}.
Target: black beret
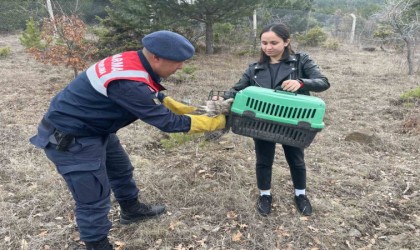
{"points": [[168, 45]]}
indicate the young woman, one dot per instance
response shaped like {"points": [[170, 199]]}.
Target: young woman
{"points": [[279, 67]]}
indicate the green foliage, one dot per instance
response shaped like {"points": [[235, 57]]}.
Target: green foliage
{"points": [[176, 139], [189, 70], [402, 16], [183, 75], [127, 22], [207, 12], [130, 20], [4, 52], [31, 37], [87, 10], [315, 37], [368, 10], [305, 5], [383, 32], [14, 14], [412, 12], [332, 44], [222, 32], [416, 5], [412, 95], [364, 8], [245, 52], [294, 13], [232, 37], [296, 20]]}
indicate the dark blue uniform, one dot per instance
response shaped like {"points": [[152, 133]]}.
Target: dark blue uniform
{"points": [[95, 163]]}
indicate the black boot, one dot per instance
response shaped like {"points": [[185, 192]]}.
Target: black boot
{"points": [[133, 210], [99, 245]]}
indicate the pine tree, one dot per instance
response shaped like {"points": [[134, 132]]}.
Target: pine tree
{"points": [[208, 12], [126, 24], [130, 20], [31, 37]]}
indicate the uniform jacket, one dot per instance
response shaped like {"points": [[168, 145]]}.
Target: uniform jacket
{"points": [[296, 66], [86, 109]]}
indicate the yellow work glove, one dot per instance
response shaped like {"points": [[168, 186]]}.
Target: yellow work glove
{"points": [[177, 107], [203, 123]]}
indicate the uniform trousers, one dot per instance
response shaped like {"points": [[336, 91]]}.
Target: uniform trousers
{"points": [[92, 167]]}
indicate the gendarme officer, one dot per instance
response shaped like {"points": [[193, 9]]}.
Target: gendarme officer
{"points": [[78, 132]]}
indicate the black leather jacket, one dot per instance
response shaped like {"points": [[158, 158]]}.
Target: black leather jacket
{"points": [[297, 66]]}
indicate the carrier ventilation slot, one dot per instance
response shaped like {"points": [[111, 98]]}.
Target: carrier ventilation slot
{"points": [[277, 130], [280, 110]]}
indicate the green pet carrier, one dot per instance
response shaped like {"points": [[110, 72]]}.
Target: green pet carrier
{"points": [[277, 116]]}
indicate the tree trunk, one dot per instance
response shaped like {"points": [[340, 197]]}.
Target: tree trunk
{"points": [[50, 11], [75, 71], [308, 15], [353, 28], [410, 52], [254, 28], [209, 37]]}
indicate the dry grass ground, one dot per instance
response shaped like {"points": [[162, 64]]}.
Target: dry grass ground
{"points": [[365, 194]]}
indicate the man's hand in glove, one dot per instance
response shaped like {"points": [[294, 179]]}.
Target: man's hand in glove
{"points": [[204, 123], [177, 107]]}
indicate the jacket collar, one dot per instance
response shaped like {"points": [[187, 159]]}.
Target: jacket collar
{"points": [[290, 58], [148, 68], [287, 70]]}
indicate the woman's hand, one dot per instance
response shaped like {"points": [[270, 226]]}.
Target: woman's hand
{"points": [[291, 85]]}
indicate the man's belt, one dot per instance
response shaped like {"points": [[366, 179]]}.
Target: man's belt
{"points": [[61, 140]]}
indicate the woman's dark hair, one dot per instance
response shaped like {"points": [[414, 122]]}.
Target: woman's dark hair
{"points": [[281, 31]]}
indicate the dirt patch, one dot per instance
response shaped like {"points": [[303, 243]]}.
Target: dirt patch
{"points": [[365, 195]]}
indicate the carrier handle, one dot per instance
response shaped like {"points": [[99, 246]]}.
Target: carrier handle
{"points": [[218, 93], [249, 114], [286, 92]]}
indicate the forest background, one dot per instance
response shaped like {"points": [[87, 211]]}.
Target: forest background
{"points": [[362, 168], [119, 24]]}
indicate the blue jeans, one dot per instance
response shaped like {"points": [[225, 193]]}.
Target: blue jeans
{"points": [[92, 167], [265, 151]]}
